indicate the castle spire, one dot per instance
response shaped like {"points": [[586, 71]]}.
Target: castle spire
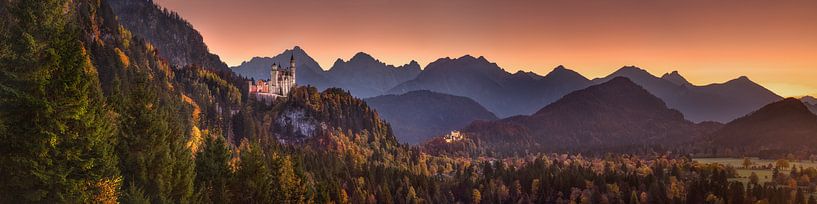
{"points": [[292, 60]]}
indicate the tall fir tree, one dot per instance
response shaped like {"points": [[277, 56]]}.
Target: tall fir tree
{"points": [[213, 174], [153, 152], [58, 141]]}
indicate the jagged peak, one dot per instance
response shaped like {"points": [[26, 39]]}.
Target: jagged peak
{"points": [[411, 65], [675, 78]]}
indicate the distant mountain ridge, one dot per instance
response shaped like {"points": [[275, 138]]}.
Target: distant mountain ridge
{"points": [[616, 113], [520, 93], [715, 102], [416, 116], [500, 92], [367, 77]]}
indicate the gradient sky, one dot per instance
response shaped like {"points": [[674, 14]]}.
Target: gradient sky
{"points": [[774, 43]]}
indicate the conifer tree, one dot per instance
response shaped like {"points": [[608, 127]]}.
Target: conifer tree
{"points": [[152, 147], [253, 181], [57, 141], [213, 172]]}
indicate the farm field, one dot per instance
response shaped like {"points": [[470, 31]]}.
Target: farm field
{"points": [[764, 174]]}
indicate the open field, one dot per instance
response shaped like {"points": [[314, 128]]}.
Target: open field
{"points": [[764, 175], [738, 162]]}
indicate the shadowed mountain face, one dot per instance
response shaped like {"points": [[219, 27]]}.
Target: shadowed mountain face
{"points": [[309, 72], [418, 115], [173, 36], [499, 91], [612, 114], [783, 125], [367, 77], [809, 100], [715, 102]]}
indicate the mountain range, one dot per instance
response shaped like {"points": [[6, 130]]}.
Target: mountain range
{"points": [[616, 113], [522, 93], [715, 102], [368, 77], [416, 116]]}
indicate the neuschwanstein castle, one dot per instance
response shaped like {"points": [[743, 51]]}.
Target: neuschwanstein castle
{"points": [[280, 83]]}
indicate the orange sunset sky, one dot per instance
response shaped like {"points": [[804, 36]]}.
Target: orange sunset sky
{"points": [[774, 43]]}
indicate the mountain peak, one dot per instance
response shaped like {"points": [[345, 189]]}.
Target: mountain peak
{"points": [[362, 56], [632, 72], [675, 78], [560, 72]]}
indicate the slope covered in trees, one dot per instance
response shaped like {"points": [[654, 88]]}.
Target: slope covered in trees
{"points": [[779, 127], [174, 37], [419, 115], [615, 114]]}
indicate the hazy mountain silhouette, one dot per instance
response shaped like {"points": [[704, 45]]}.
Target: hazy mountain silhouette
{"points": [[418, 115], [499, 91], [675, 78], [615, 113], [782, 125], [715, 102], [365, 76]]}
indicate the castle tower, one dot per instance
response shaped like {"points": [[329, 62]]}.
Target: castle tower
{"points": [[273, 78], [292, 65]]}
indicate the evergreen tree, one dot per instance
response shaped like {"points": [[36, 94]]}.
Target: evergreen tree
{"points": [[152, 148], [253, 180], [57, 139], [213, 172]]}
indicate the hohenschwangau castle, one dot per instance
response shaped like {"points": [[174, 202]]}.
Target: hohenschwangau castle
{"points": [[280, 83]]}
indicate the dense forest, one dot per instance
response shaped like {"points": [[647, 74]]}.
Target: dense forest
{"points": [[91, 113]]}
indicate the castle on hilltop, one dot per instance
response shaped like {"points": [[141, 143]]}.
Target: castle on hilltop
{"points": [[280, 83]]}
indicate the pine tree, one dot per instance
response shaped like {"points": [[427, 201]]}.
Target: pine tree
{"points": [[253, 181], [152, 147], [57, 143], [213, 174]]}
